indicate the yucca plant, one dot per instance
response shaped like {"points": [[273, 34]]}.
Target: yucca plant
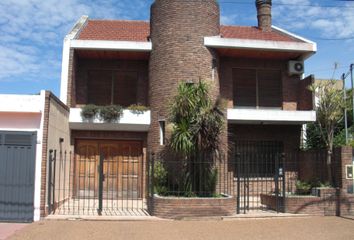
{"points": [[198, 122]]}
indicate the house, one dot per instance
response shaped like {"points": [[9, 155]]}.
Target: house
{"points": [[257, 69], [29, 125]]}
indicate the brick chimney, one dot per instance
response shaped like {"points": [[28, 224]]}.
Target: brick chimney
{"points": [[264, 15]]}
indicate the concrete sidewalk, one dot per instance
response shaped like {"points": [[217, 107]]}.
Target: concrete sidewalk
{"points": [[309, 228], [8, 229]]}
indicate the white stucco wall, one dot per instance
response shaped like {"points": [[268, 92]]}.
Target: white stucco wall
{"points": [[25, 113]]}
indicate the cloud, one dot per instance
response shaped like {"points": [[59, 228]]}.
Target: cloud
{"points": [[324, 22], [32, 32], [228, 19]]}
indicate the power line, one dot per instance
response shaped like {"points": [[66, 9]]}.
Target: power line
{"points": [[287, 4], [332, 39]]}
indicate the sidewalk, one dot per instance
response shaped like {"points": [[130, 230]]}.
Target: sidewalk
{"points": [[309, 228], [8, 229]]}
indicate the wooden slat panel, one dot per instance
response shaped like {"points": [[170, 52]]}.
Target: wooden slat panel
{"points": [[125, 88], [244, 87], [269, 85], [99, 87], [122, 168]]}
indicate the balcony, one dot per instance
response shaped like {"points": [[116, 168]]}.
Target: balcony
{"points": [[269, 116], [129, 121]]}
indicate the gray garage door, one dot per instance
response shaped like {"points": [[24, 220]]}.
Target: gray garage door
{"points": [[17, 165]]}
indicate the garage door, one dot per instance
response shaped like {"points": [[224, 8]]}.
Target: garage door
{"points": [[17, 167]]}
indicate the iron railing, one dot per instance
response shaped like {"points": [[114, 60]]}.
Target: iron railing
{"points": [[95, 185]]}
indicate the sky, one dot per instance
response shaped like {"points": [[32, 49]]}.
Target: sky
{"points": [[32, 33]]}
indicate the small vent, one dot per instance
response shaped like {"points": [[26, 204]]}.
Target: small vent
{"points": [[18, 139]]}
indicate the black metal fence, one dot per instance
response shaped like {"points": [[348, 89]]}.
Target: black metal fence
{"points": [[98, 184], [200, 177], [95, 184], [260, 173]]}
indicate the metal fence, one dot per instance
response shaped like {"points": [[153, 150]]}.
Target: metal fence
{"points": [[94, 185], [200, 177], [279, 174], [99, 184]]}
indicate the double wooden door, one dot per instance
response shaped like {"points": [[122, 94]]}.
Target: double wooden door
{"points": [[122, 169]]}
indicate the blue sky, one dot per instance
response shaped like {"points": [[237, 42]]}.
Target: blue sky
{"points": [[32, 32]]}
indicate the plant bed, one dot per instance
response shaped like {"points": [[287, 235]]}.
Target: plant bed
{"points": [[181, 207], [321, 204]]}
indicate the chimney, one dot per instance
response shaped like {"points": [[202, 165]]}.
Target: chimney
{"points": [[264, 15]]}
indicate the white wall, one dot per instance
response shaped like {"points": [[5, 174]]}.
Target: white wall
{"points": [[25, 113]]}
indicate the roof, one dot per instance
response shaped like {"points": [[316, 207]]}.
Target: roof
{"points": [[115, 30], [123, 30], [248, 32]]}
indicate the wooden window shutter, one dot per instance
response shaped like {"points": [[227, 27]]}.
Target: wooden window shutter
{"points": [[244, 87], [269, 88]]}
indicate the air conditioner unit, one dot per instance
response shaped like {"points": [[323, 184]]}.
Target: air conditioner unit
{"points": [[296, 67]]}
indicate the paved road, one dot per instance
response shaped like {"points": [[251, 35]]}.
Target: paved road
{"points": [[317, 228]]}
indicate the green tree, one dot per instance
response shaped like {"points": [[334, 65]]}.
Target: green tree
{"points": [[329, 111], [198, 122]]}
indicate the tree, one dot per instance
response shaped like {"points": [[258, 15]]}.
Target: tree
{"points": [[197, 122], [329, 111]]}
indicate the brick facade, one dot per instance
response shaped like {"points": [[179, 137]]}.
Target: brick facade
{"points": [[51, 101], [177, 208], [306, 97], [177, 33]]}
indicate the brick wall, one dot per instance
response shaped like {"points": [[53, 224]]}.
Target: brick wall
{"points": [[176, 208], [325, 204], [178, 29], [71, 78], [55, 126], [290, 84], [83, 66], [306, 99]]}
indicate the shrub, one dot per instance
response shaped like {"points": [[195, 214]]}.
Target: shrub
{"points": [[138, 108], [110, 113], [160, 179], [302, 187], [89, 111]]}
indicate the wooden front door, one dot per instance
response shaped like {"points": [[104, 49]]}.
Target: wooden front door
{"points": [[122, 168]]}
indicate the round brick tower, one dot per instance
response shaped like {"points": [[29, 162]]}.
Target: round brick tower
{"points": [[178, 28]]}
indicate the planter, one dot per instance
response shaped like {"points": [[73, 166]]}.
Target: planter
{"points": [[323, 202], [178, 207]]}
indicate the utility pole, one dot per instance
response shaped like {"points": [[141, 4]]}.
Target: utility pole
{"points": [[345, 110]]}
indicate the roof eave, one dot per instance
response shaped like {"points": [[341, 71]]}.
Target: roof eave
{"points": [[111, 45], [306, 49]]}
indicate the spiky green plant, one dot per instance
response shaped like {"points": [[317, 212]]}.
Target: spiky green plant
{"points": [[198, 122]]}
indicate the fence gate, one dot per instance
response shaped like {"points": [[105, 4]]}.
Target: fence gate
{"points": [[259, 170], [101, 178], [17, 168]]}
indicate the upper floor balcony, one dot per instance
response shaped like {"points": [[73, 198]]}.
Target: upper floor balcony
{"points": [[259, 91], [109, 78]]}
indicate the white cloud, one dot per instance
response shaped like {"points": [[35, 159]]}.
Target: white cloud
{"points": [[228, 19], [325, 22]]}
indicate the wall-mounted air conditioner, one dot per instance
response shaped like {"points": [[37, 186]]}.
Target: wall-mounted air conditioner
{"points": [[296, 67]]}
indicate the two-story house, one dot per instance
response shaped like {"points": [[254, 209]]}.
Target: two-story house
{"points": [[257, 69]]}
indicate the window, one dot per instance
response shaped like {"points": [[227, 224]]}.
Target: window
{"points": [[257, 87], [105, 87], [162, 132], [259, 158]]}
